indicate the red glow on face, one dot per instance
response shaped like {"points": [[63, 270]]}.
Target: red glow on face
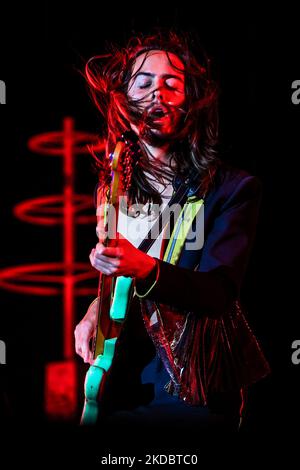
{"points": [[158, 84], [158, 77]]}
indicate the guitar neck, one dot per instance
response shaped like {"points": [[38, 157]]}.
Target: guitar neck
{"points": [[106, 283]]}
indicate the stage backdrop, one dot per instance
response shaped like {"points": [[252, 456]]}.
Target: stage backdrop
{"points": [[46, 120]]}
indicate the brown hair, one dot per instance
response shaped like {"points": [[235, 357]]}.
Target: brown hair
{"points": [[194, 146]]}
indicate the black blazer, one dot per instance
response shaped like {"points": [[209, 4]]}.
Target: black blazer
{"points": [[208, 280]]}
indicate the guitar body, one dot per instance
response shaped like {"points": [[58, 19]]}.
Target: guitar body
{"points": [[94, 379], [109, 327], [114, 296]]}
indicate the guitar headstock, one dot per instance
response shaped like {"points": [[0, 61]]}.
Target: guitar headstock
{"points": [[130, 159], [123, 160], [115, 179]]}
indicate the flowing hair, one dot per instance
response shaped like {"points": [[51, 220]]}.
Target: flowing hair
{"points": [[193, 150]]}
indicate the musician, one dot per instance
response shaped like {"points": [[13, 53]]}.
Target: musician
{"points": [[186, 352]]}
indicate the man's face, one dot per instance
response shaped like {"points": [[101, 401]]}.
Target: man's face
{"points": [[157, 86]]}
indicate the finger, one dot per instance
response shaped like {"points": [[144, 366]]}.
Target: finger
{"points": [[78, 350], [90, 358], [101, 233], [92, 255], [108, 271], [85, 352], [104, 268], [110, 262], [98, 262], [100, 247], [76, 340], [92, 259]]}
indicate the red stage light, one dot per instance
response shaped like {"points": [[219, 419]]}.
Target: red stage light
{"points": [[67, 209], [61, 390]]}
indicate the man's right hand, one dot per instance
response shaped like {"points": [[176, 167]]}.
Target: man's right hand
{"points": [[84, 331]]}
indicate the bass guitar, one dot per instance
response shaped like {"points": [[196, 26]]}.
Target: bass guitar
{"points": [[113, 292]]}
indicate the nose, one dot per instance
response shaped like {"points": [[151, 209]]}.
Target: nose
{"points": [[157, 94]]}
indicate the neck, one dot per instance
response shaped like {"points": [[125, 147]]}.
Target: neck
{"points": [[159, 154]]}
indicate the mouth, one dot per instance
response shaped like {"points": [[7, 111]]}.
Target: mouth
{"points": [[157, 112]]}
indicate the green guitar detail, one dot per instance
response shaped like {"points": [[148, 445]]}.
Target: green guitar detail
{"points": [[113, 293]]}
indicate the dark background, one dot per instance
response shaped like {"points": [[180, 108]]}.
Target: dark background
{"points": [[43, 49]]}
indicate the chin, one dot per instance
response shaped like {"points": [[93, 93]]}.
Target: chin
{"points": [[158, 138]]}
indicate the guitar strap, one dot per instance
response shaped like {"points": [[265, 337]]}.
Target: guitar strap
{"points": [[179, 197], [123, 284]]}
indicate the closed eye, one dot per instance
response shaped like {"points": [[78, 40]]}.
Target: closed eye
{"points": [[173, 84], [145, 85]]}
